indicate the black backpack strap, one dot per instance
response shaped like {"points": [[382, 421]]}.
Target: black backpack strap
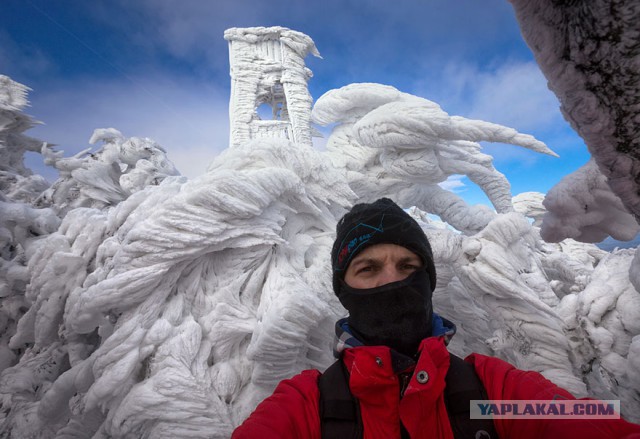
{"points": [[462, 386], [339, 410]]}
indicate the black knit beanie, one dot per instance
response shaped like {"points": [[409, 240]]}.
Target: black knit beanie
{"points": [[380, 222]]}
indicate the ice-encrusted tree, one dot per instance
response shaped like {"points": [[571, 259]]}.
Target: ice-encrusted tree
{"points": [[22, 222]]}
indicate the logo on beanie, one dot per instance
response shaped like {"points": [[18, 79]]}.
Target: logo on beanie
{"points": [[355, 232], [356, 237]]}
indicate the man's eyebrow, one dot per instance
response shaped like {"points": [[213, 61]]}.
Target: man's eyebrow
{"points": [[410, 259], [365, 260]]}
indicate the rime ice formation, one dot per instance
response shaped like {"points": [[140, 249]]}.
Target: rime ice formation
{"points": [[171, 309], [17, 183], [201, 297], [22, 225], [530, 204], [395, 143], [588, 51], [32, 311], [583, 207], [111, 174], [612, 323]]}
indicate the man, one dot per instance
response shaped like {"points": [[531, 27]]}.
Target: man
{"points": [[393, 362]]}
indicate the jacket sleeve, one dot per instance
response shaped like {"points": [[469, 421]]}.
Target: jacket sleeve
{"points": [[291, 412], [503, 381]]}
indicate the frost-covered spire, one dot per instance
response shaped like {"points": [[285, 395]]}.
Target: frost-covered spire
{"points": [[267, 69]]}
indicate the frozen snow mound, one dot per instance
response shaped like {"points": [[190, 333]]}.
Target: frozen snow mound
{"points": [[589, 53]]}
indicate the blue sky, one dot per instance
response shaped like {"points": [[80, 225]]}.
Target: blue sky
{"points": [[159, 69]]}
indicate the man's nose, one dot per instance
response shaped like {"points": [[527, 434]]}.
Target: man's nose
{"points": [[387, 275]]}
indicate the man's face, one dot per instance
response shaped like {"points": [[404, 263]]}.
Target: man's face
{"points": [[381, 264]]}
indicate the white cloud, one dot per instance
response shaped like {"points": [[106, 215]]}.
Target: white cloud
{"points": [[454, 183], [511, 93], [188, 31], [515, 95]]}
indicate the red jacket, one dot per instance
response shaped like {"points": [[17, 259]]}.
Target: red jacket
{"points": [[292, 411]]}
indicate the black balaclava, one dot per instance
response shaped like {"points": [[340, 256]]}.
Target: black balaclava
{"points": [[398, 314]]}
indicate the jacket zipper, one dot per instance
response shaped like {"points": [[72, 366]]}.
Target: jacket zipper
{"points": [[404, 383]]}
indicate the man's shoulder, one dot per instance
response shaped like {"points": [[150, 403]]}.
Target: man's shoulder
{"points": [[504, 380], [480, 361], [304, 380], [299, 389], [303, 386], [290, 412]]}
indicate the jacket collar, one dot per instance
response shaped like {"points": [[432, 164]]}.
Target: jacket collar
{"points": [[344, 339]]}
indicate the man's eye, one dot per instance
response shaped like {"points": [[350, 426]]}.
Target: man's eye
{"points": [[366, 269], [410, 267]]}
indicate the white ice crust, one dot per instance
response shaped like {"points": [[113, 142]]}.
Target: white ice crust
{"points": [[583, 207], [143, 304], [589, 53]]}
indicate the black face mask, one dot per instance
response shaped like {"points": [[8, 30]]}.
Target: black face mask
{"points": [[397, 315]]}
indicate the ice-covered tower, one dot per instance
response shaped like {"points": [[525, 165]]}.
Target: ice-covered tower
{"points": [[267, 70]]}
